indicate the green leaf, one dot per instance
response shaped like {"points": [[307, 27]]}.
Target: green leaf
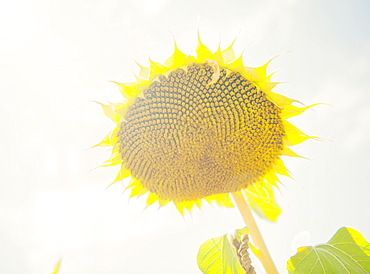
{"points": [[218, 255], [262, 200], [346, 252]]}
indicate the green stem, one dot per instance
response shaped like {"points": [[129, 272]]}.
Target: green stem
{"points": [[259, 243]]}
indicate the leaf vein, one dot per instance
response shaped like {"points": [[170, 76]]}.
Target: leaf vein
{"points": [[335, 258], [318, 256], [345, 253]]}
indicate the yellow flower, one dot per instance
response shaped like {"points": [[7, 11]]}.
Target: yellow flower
{"points": [[200, 127]]}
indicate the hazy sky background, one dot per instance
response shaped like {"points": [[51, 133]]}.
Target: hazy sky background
{"points": [[57, 56]]}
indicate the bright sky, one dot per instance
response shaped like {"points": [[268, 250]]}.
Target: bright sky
{"points": [[58, 56]]}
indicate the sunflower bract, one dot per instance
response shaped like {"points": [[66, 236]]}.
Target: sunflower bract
{"points": [[200, 127]]}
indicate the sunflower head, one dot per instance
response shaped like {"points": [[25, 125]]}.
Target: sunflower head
{"points": [[199, 127]]}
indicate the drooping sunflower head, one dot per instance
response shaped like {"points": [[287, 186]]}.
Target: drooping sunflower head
{"points": [[200, 127]]}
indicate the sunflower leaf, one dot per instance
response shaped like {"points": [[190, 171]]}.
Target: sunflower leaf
{"points": [[218, 255], [346, 252], [262, 200]]}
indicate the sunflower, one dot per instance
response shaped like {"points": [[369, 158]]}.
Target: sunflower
{"points": [[200, 127]]}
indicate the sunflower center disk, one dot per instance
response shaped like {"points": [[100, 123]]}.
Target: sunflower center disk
{"points": [[189, 139]]}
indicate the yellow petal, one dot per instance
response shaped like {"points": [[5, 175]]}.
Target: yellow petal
{"points": [[203, 53], [114, 160], [293, 135], [106, 141], [288, 152], [177, 59], [266, 86], [109, 112], [290, 111], [122, 174], [271, 178], [279, 100], [137, 190], [280, 168], [144, 71], [162, 202], [128, 90], [198, 203], [237, 65], [152, 198], [228, 54], [223, 200], [156, 69]]}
